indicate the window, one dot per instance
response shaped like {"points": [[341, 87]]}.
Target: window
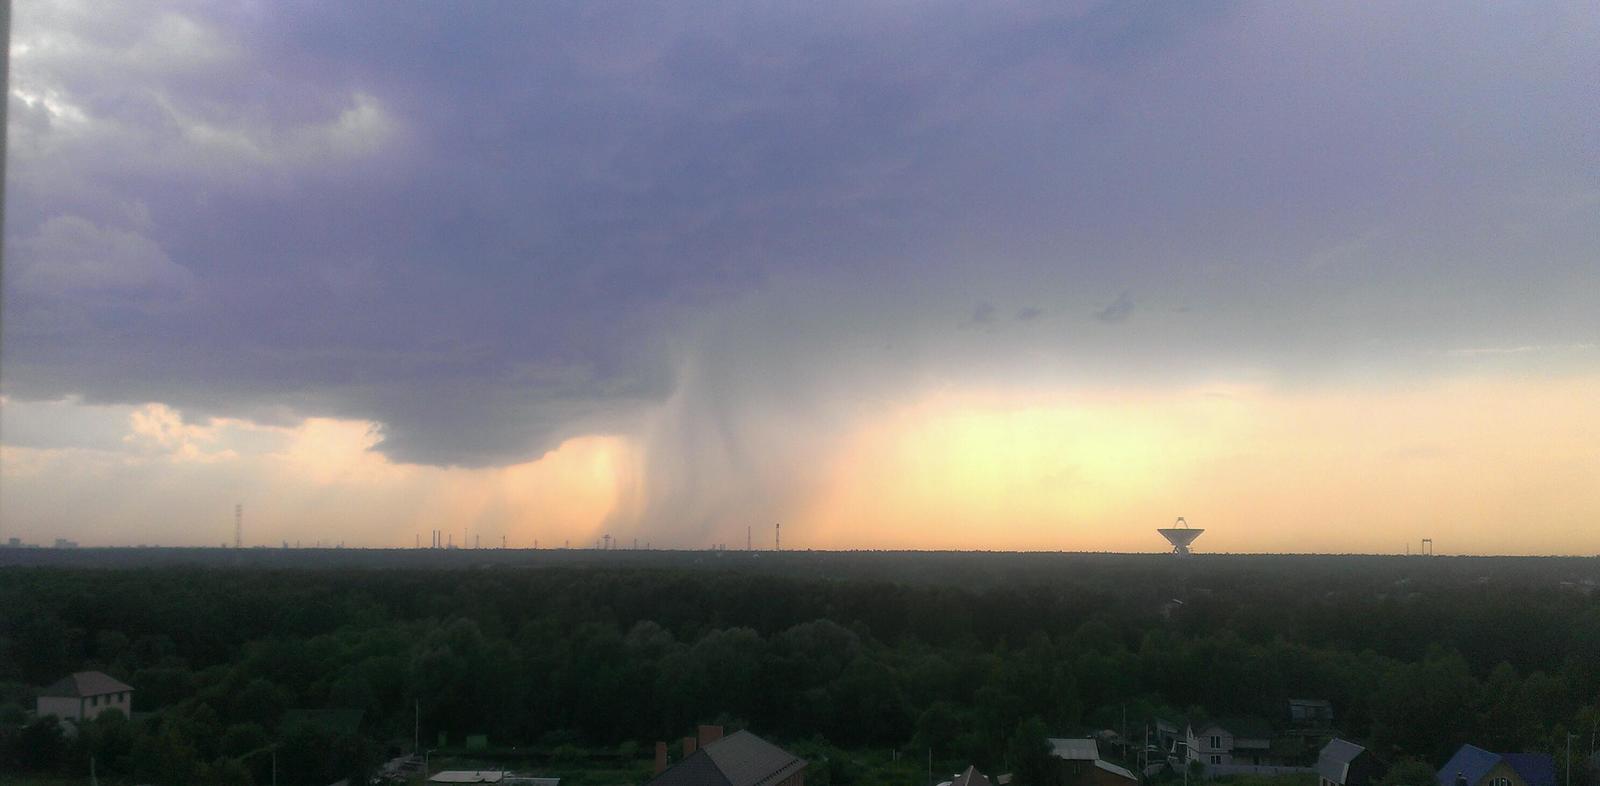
{"points": [[1500, 782], [94, 701], [1215, 759], [1216, 743]]}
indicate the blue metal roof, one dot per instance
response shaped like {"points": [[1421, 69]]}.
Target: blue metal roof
{"points": [[1471, 762], [1538, 769]]}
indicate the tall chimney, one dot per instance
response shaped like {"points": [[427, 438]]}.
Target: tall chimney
{"points": [[661, 757], [708, 734], [688, 746]]}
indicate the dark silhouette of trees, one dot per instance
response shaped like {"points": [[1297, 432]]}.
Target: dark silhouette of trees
{"points": [[973, 657]]}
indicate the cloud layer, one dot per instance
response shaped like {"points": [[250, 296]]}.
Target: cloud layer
{"points": [[733, 236]]}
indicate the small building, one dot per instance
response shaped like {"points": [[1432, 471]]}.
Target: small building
{"points": [[1231, 741], [739, 759], [1079, 764], [1344, 763], [1474, 766], [1310, 714], [85, 695]]}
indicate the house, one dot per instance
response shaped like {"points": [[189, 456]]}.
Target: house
{"points": [[1170, 741], [1310, 714], [971, 777], [1079, 764], [1231, 741], [85, 695], [1474, 766], [1344, 763], [739, 759]]}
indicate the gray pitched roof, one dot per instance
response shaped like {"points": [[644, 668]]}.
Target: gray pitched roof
{"points": [[84, 684], [1112, 768], [1073, 749], [739, 759], [696, 769], [1333, 762], [970, 778]]}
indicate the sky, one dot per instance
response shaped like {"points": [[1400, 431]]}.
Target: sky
{"points": [[1316, 277]]}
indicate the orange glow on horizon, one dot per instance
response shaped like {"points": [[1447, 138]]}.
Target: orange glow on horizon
{"points": [[1485, 466], [1482, 465]]}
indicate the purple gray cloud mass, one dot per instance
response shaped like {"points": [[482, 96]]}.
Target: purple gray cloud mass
{"points": [[492, 226]]}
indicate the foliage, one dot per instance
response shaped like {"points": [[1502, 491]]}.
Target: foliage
{"points": [[1416, 656], [1408, 772]]}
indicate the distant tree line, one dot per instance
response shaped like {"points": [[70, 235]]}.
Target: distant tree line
{"points": [[977, 671]]}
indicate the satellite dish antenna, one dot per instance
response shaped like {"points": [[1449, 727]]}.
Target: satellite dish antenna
{"points": [[1180, 536]]}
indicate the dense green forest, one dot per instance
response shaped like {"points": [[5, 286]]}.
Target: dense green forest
{"points": [[951, 652]]}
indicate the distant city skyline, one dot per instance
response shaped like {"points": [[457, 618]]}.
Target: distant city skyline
{"points": [[1319, 278]]}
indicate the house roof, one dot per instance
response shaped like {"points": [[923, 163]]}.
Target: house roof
{"points": [[1112, 768], [1538, 769], [970, 778], [468, 776], [696, 769], [1470, 762], [1473, 762], [84, 684], [739, 759], [1074, 749], [1333, 763]]}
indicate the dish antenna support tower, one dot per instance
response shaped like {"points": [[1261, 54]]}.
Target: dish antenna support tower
{"points": [[1180, 536], [238, 526]]}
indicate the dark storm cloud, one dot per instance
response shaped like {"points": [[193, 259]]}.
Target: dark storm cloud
{"points": [[491, 227]]}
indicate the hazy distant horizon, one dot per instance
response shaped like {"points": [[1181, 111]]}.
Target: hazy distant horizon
{"points": [[1320, 278], [730, 549]]}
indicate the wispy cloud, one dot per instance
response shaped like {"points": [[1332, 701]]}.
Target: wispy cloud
{"points": [[1118, 311], [1521, 349]]}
